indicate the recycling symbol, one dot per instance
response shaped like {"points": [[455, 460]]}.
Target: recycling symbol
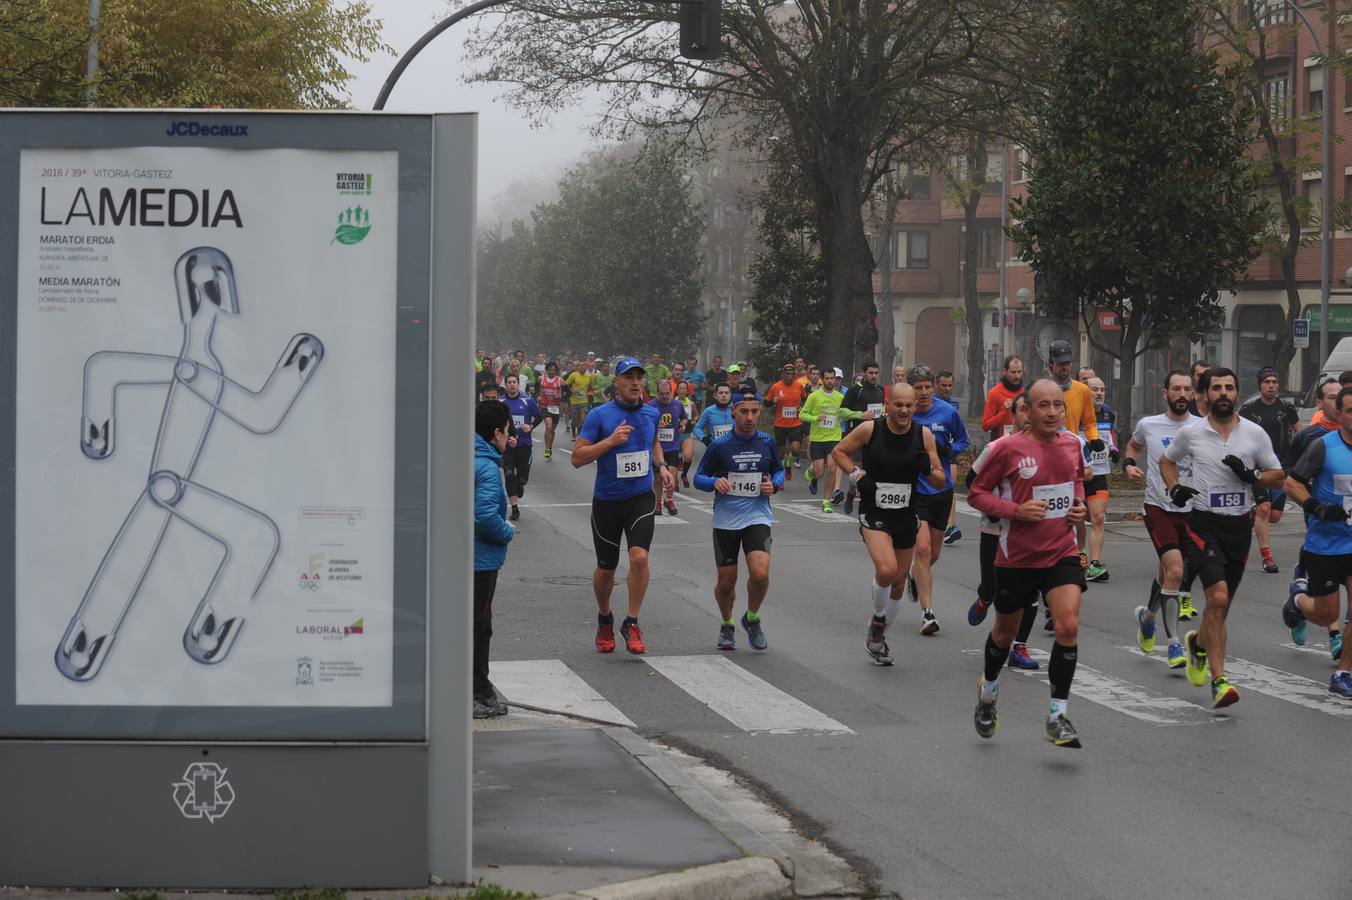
{"points": [[203, 792]]}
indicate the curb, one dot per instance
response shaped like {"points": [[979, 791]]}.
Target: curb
{"points": [[752, 878]]}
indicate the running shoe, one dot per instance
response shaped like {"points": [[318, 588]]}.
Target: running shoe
{"points": [[1196, 666], [483, 709], [928, 624], [549, 454], [755, 634], [671, 507], [952, 534], [849, 503], [1270, 566], [826, 506], [875, 644], [1185, 608], [1223, 693], [727, 637], [605, 637], [1096, 571], [633, 638], [1340, 683], [1145, 630], [1061, 733], [1292, 617], [1177, 657], [1019, 658], [976, 613], [1336, 646], [838, 497], [986, 719], [516, 512]]}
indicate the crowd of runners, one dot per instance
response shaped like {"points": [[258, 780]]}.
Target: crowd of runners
{"points": [[1216, 472]]}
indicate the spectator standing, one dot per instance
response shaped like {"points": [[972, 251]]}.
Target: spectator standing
{"points": [[492, 534]]}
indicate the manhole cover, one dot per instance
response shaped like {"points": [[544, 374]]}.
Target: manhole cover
{"points": [[566, 580]]}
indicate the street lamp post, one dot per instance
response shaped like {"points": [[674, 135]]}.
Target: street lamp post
{"points": [[92, 59], [1004, 222], [1326, 192]]}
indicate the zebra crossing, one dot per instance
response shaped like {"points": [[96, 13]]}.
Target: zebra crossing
{"points": [[755, 706]]}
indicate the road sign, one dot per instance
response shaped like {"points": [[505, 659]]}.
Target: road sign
{"points": [[1300, 333]]}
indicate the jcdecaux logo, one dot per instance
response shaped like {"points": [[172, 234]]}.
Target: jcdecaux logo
{"points": [[185, 128]]}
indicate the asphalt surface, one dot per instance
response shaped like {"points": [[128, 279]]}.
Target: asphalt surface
{"points": [[1167, 796]]}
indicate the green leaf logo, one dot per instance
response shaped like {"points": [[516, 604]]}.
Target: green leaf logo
{"points": [[354, 223]]}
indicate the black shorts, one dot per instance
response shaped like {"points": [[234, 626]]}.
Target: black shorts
{"points": [[1168, 528], [934, 508], [1097, 484], [786, 436], [673, 458], [821, 449], [1326, 574], [1016, 589], [1275, 496], [516, 469], [901, 524], [1218, 547], [751, 539], [631, 518]]}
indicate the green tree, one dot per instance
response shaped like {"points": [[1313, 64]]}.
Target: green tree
{"points": [[614, 262], [788, 299], [247, 54], [1142, 200], [848, 85]]}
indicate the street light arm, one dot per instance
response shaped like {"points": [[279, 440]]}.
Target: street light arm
{"points": [[423, 41]]}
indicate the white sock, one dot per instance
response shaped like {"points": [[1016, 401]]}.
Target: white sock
{"points": [[989, 690], [881, 594], [1058, 709], [893, 608]]}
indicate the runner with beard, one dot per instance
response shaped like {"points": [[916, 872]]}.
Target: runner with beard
{"points": [[997, 418], [787, 396], [551, 402], [1165, 521], [893, 453], [1279, 419], [1034, 483], [516, 458], [865, 398], [1230, 455]]}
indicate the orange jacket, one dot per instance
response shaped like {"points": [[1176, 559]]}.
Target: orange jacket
{"points": [[996, 416]]}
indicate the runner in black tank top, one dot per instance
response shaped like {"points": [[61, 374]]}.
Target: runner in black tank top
{"points": [[895, 453]]}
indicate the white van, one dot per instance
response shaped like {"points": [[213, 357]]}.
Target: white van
{"points": [[1339, 361]]}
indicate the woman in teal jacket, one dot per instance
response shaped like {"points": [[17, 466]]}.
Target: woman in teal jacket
{"points": [[492, 533]]}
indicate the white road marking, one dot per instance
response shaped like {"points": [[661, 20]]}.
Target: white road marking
{"points": [[1280, 685], [749, 702], [1121, 696], [550, 684], [1318, 648], [669, 520], [966, 510], [821, 516], [550, 505]]}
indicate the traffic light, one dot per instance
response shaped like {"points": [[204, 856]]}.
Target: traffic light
{"points": [[700, 29]]}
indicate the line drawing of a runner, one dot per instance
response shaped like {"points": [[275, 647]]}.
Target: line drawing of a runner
{"points": [[197, 392]]}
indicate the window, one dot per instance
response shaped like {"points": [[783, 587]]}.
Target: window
{"points": [[1314, 78], [1022, 160], [1258, 329], [1271, 12], [988, 247], [1275, 92], [994, 172], [1314, 195], [912, 250], [914, 182]]}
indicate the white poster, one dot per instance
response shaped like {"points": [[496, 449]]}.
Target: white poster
{"points": [[205, 427]]}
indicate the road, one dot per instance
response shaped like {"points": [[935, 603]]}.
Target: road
{"points": [[884, 764]]}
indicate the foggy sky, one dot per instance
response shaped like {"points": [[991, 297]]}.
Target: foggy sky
{"points": [[509, 149]]}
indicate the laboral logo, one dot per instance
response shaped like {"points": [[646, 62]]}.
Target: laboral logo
{"points": [[333, 632], [354, 223]]}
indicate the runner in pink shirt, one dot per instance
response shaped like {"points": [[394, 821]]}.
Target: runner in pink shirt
{"points": [[1034, 483]]}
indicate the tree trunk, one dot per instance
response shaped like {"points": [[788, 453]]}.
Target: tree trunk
{"points": [[976, 340], [850, 331], [1125, 385]]}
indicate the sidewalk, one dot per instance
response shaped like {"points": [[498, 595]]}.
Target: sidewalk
{"points": [[566, 807]]}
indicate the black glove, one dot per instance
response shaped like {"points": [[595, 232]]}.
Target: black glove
{"points": [[1180, 494], [921, 460], [1242, 472], [1328, 512], [1097, 445], [1113, 455]]}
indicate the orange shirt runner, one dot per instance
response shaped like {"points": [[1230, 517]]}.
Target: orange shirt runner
{"points": [[788, 399]]}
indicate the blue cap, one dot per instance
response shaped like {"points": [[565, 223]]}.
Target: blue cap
{"points": [[627, 363], [745, 397]]}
